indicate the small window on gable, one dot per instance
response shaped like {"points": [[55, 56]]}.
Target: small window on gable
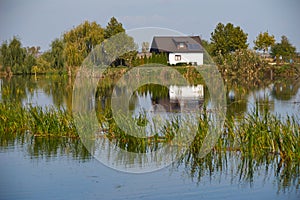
{"points": [[177, 57]]}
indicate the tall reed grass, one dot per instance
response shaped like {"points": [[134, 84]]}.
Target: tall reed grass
{"points": [[257, 135], [50, 121]]}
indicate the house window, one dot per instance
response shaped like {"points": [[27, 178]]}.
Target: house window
{"points": [[181, 45], [177, 57]]}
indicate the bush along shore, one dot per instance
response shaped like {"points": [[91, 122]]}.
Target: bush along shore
{"points": [[247, 65], [256, 135]]}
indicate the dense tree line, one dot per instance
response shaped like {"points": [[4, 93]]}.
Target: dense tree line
{"points": [[227, 44], [229, 49], [65, 53], [227, 39]]}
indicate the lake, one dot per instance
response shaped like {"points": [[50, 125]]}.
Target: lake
{"points": [[62, 168]]}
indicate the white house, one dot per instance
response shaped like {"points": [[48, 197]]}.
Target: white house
{"points": [[180, 49]]}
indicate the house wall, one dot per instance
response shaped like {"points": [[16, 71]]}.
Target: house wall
{"points": [[186, 58]]}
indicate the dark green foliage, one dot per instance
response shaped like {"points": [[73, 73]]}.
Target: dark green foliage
{"points": [[17, 59], [29, 62], [284, 49], [207, 46], [56, 53], [227, 38], [160, 58], [13, 55], [264, 41], [113, 27]]}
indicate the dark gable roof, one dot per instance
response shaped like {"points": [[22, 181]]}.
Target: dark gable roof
{"points": [[170, 44]]}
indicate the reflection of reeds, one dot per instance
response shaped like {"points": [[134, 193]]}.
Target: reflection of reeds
{"points": [[257, 140], [256, 135]]}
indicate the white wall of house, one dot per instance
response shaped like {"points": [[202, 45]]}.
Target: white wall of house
{"points": [[175, 58]]}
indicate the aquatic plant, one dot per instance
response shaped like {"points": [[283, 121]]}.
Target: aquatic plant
{"points": [[18, 119], [256, 135]]}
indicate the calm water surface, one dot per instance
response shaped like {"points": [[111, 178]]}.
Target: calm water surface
{"points": [[61, 168], [65, 176]]}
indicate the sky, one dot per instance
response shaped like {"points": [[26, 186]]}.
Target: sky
{"points": [[38, 22]]}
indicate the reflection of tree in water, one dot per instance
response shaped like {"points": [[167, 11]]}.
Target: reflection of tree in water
{"points": [[60, 88], [46, 146], [265, 104], [111, 129], [238, 91], [226, 162], [17, 88], [55, 146], [20, 88], [241, 167], [285, 89], [245, 168], [237, 96]]}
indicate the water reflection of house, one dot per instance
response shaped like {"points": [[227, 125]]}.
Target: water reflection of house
{"points": [[186, 92], [181, 99]]}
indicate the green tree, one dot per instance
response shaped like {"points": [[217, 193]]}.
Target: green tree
{"points": [[4, 53], [227, 39], [29, 62], [284, 49], [43, 62], [17, 54], [30, 59], [120, 49], [113, 27], [13, 56], [207, 46], [80, 41], [264, 41], [57, 50]]}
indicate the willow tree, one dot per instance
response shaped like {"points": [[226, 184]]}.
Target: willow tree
{"points": [[80, 41], [4, 55], [13, 55], [56, 54]]}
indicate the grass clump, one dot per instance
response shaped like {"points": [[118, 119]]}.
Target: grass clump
{"points": [[50, 121], [255, 135]]}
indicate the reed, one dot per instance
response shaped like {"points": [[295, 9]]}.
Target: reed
{"points": [[256, 135], [16, 119], [257, 142]]}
